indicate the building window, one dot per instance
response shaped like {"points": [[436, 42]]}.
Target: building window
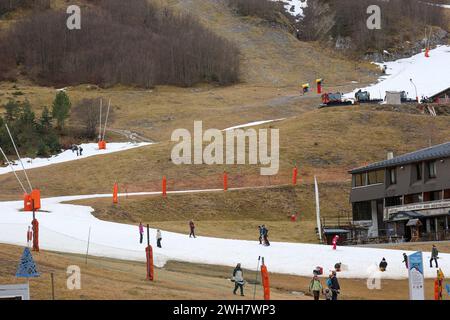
{"points": [[432, 196], [393, 201], [362, 211], [392, 173], [375, 177], [418, 172], [413, 198], [432, 169], [359, 180], [447, 194]]}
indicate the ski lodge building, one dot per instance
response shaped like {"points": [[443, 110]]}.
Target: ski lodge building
{"points": [[403, 198], [441, 97]]}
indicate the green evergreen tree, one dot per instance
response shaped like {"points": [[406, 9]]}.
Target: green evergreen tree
{"points": [[61, 109]]}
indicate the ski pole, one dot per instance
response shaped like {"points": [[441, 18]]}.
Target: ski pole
{"points": [[256, 279]]}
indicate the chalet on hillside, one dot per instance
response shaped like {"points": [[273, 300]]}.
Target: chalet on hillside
{"points": [[442, 97]]}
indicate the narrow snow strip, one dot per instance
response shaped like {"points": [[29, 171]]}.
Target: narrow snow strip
{"points": [[89, 150], [65, 228], [252, 124], [430, 75]]}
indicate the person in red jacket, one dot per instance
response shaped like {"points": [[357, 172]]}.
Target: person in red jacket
{"points": [[192, 228]]}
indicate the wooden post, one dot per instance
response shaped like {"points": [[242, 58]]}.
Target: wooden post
{"points": [[53, 285], [89, 240]]}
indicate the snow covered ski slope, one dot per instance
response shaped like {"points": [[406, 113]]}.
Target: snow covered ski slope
{"points": [[65, 228], [89, 150], [430, 75]]}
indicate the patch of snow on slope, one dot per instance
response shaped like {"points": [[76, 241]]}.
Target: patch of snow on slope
{"points": [[430, 75], [65, 228], [294, 7], [252, 124], [89, 150]]}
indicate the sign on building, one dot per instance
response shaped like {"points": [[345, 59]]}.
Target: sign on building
{"points": [[15, 292], [416, 276]]}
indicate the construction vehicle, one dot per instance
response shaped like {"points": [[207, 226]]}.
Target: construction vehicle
{"points": [[334, 99], [404, 98], [364, 97]]}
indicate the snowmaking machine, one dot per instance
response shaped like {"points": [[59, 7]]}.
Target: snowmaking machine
{"points": [[334, 99]]}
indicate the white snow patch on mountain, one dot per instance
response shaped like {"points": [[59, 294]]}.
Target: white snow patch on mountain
{"points": [[429, 75], [89, 150]]}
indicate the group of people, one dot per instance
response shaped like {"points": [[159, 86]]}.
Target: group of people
{"points": [[77, 149], [263, 235], [332, 290], [158, 235]]}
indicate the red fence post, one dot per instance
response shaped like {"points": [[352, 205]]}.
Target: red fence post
{"points": [[164, 186]]}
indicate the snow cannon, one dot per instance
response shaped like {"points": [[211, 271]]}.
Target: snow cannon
{"points": [[102, 145], [30, 198], [305, 88], [319, 85]]}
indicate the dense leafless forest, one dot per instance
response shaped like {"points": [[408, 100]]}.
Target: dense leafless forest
{"points": [[402, 20], [10, 5], [120, 42]]}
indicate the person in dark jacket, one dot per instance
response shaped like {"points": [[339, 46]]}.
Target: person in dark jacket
{"points": [[405, 260], [434, 256], [334, 287], [266, 236], [383, 265], [260, 234], [192, 228], [81, 151], [238, 278]]}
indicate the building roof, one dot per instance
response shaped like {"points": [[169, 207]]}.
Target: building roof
{"points": [[439, 93], [434, 152]]}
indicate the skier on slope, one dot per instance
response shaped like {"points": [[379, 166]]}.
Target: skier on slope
{"points": [[141, 232], [192, 228], [335, 241], [261, 234], [158, 238], [266, 236], [405, 260], [434, 256], [238, 279], [383, 265]]}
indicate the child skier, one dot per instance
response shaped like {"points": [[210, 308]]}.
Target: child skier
{"points": [[158, 238], [383, 265], [335, 241], [141, 232], [238, 279]]}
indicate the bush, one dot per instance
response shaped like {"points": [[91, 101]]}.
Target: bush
{"points": [[120, 42], [264, 9]]}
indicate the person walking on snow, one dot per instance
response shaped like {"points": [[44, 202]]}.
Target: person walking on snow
{"points": [[405, 260], [434, 256], [141, 232], [261, 234], [192, 228], [335, 241], [158, 238], [334, 287], [238, 278], [81, 151], [383, 265], [266, 236], [29, 237], [315, 287]]}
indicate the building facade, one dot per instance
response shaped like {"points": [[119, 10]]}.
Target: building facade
{"points": [[404, 197]]}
